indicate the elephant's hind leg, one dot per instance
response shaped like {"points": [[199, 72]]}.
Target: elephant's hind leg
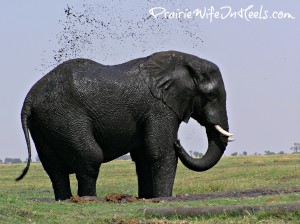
{"points": [[61, 185], [87, 181], [91, 157], [54, 168]]}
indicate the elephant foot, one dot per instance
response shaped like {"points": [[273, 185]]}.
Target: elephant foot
{"points": [[61, 186]]}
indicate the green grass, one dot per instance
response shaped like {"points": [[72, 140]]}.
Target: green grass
{"points": [[232, 173]]}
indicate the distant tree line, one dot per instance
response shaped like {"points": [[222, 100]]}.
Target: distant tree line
{"points": [[17, 160], [295, 148], [12, 160], [195, 154], [267, 152]]}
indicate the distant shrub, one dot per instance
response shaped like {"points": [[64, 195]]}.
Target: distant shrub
{"points": [[12, 160]]}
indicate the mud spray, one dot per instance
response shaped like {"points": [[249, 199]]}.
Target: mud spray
{"points": [[118, 30]]}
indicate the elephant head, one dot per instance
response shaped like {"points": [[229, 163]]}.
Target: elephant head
{"points": [[191, 87]]}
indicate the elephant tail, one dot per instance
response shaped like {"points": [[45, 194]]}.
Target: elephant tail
{"points": [[25, 114]]}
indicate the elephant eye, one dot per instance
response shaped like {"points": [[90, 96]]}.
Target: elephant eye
{"points": [[211, 96]]}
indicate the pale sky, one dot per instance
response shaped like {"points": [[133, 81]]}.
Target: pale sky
{"points": [[259, 59]]}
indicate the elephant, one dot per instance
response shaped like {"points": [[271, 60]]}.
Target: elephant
{"points": [[82, 114]]}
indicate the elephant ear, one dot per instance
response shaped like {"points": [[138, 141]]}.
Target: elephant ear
{"points": [[170, 79]]}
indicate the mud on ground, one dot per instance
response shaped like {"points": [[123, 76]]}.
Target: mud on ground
{"points": [[253, 193], [215, 210], [124, 198], [192, 211]]}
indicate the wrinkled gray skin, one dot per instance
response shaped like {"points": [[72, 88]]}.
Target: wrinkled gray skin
{"points": [[83, 114]]}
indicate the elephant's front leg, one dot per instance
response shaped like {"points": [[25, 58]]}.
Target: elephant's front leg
{"points": [[163, 175], [159, 141], [144, 173]]}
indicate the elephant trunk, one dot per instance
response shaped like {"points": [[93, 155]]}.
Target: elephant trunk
{"points": [[217, 143]]}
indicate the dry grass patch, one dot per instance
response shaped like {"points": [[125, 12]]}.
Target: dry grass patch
{"points": [[283, 159]]}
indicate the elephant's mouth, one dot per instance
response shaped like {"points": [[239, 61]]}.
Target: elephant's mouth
{"points": [[225, 133]]}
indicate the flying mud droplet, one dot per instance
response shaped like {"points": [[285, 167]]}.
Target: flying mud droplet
{"points": [[106, 31]]}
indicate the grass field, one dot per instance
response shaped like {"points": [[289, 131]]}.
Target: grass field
{"points": [[231, 174]]}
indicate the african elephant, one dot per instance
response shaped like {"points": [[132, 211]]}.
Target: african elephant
{"points": [[83, 114]]}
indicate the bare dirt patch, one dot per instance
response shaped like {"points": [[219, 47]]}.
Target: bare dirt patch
{"points": [[123, 198], [215, 210], [253, 193], [152, 221], [194, 211]]}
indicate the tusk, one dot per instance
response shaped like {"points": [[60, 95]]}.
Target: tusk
{"points": [[231, 139], [222, 131]]}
